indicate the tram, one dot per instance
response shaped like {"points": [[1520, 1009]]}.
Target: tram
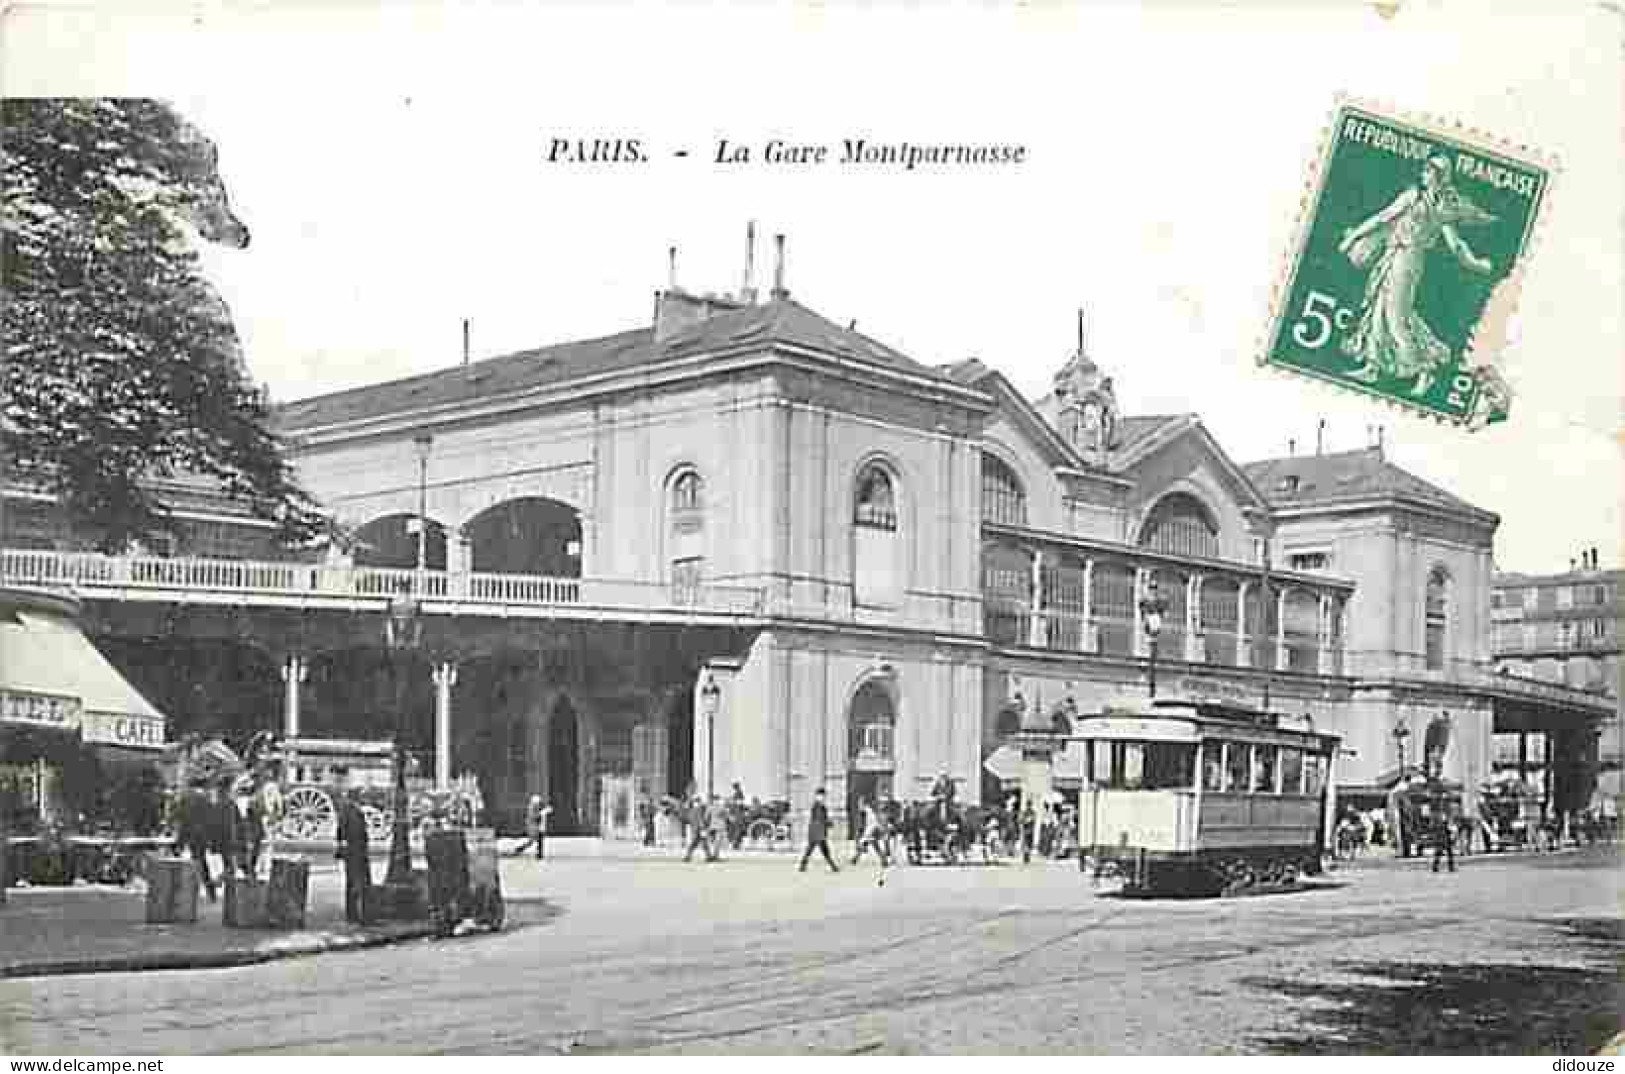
{"points": [[1184, 796]]}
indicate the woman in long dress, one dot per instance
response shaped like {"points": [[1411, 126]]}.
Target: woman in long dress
{"points": [[1391, 339]]}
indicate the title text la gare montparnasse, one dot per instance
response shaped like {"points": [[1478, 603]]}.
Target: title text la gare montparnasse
{"points": [[784, 153]]}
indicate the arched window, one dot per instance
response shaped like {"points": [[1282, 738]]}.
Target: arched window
{"points": [[876, 551], [687, 494], [876, 505], [1003, 499], [1180, 525], [1437, 618]]}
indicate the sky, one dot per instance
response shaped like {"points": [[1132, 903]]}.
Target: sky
{"points": [[390, 162]]}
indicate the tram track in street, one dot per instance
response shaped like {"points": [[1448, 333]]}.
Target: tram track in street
{"points": [[906, 1000]]}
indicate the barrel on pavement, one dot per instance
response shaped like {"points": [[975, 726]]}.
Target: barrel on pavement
{"points": [[289, 890], [246, 903], [171, 891]]}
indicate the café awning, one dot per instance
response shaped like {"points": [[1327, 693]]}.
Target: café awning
{"points": [[52, 676]]}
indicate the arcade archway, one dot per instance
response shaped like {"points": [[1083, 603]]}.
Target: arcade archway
{"points": [[528, 535]]}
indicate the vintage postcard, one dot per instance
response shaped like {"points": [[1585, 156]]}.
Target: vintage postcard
{"points": [[810, 529]]}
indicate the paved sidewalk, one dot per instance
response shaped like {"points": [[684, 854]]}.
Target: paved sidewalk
{"points": [[99, 929]]}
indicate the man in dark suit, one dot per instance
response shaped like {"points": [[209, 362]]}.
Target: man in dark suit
{"points": [[818, 832], [195, 829], [352, 851]]}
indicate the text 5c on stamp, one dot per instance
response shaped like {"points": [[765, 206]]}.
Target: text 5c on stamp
{"points": [[1410, 231]]}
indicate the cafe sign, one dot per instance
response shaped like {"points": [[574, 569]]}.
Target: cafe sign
{"points": [[121, 729], [40, 710]]}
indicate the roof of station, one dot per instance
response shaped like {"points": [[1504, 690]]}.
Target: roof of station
{"points": [[781, 321], [1348, 475]]}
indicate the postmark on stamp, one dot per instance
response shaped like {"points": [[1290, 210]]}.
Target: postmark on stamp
{"points": [[1407, 264]]}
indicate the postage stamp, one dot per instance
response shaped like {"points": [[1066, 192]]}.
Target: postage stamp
{"points": [[1407, 264]]}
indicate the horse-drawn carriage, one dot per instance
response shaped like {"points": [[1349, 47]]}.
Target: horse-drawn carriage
{"points": [[1510, 814], [947, 832], [311, 775]]}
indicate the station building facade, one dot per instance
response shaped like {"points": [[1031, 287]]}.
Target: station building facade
{"points": [[947, 571]]}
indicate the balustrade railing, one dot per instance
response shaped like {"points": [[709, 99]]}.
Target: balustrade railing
{"points": [[91, 570]]}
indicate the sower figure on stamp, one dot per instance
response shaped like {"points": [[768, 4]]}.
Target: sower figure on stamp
{"points": [[818, 832], [352, 851], [1391, 339]]}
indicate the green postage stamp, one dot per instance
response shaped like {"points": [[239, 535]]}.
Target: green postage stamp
{"points": [[1407, 264]]}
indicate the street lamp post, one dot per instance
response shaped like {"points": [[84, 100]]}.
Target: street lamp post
{"points": [[1152, 609], [1401, 733], [710, 698], [402, 632]]}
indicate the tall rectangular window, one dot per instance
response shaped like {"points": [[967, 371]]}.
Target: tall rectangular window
{"points": [[685, 580], [1565, 596]]}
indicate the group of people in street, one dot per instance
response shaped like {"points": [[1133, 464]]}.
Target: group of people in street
{"points": [[227, 816]]}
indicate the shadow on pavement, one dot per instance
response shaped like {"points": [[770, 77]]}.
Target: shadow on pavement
{"points": [[1417, 1008]]}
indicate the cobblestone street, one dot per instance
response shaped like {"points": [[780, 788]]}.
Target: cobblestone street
{"points": [[1507, 955]]}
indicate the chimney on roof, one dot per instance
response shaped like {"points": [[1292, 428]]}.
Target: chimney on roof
{"points": [[1320, 436], [465, 340], [778, 268], [747, 292], [1291, 447], [1080, 329], [1380, 431], [676, 309]]}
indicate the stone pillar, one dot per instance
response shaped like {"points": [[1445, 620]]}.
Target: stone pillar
{"points": [[1281, 661], [1036, 635], [1195, 651], [1324, 638], [294, 671], [1088, 638], [445, 677], [1142, 643], [1244, 650], [459, 557]]}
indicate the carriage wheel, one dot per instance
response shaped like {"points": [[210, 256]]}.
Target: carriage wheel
{"points": [[379, 824], [308, 813], [760, 834]]}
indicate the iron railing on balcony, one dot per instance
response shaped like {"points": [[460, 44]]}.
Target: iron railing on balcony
{"points": [[90, 571]]}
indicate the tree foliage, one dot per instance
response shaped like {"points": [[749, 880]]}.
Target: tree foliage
{"points": [[121, 361]]}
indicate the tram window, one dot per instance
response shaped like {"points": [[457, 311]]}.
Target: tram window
{"points": [[1264, 769], [1132, 775], [1291, 771], [1314, 773], [1169, 766], [1235, 767], [1100, 763], [1213, 766]]}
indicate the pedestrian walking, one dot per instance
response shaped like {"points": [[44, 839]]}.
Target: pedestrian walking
{"points": [[352, 850], [1029, 826], [871, 835], [818, 832], [536, 814], [701, 816], [1444, 839], [646, 813]]}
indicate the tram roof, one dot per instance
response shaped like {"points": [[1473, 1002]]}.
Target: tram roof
{"points": [[1211, 714]]}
